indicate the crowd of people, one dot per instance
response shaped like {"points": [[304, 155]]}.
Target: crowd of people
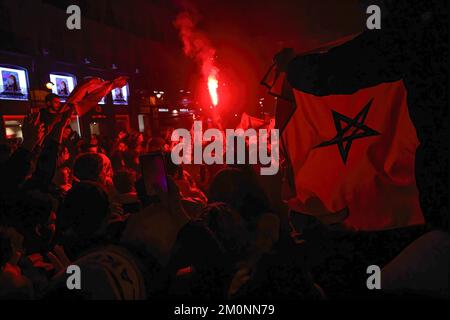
{"points": [[215, 234], [71, 201]]}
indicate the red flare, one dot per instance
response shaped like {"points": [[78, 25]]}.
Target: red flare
{"points": [[213, 84]]}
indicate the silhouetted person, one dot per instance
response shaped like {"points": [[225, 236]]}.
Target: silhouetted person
{"points": [[52, 109]]}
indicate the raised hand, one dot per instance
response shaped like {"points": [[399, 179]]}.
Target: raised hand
{"points": [[33, 131]]}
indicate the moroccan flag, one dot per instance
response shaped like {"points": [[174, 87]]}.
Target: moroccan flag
{"points": [[355, 154]]}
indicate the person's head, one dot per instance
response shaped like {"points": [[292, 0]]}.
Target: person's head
{"points": [[53, 102], [33, 216], [122, 146], [125, 180], [63, 155], [241, 191], [67, 132], [229, 229], [135, 141], [83, 213], [62, 177], [88, 167]]}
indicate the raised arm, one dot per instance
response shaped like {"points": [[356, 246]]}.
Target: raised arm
{"points": [[16, 168], [46, 164]]}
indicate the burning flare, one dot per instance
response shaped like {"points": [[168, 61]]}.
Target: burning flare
{"points": [[197, 45], [212, 87]]}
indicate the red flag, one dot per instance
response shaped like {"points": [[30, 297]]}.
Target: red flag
{"points": [[88, 94], [355, 152], [248, 121], [87, 85]]}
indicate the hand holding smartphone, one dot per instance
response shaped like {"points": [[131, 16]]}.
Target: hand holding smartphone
{"points": [[154, 174], [159, 187]]}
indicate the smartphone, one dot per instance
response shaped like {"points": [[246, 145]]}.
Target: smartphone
{"points": [[154, 173]]}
